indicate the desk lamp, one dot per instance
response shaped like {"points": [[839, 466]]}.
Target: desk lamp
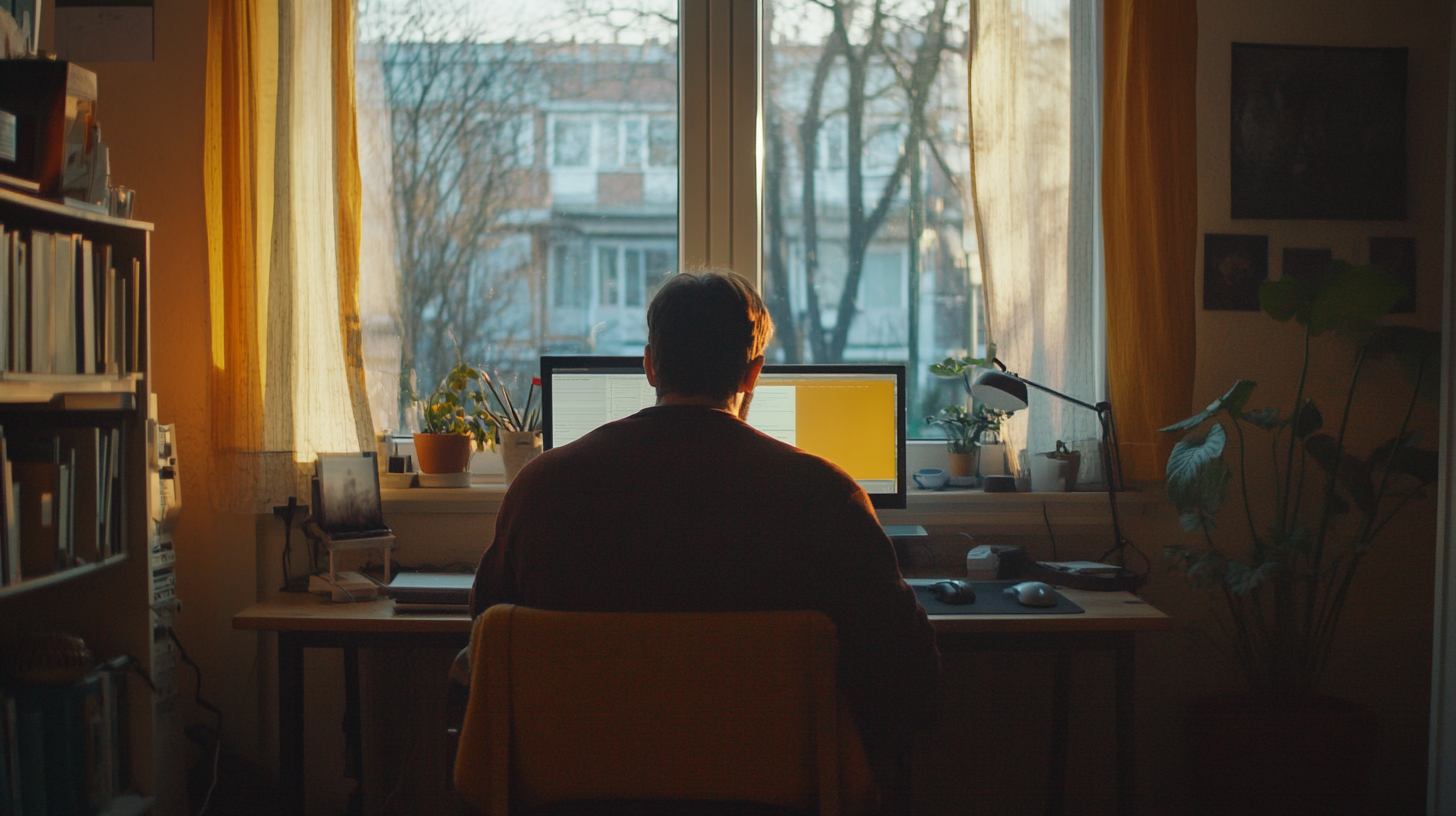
{"points": [[1005, 391]]}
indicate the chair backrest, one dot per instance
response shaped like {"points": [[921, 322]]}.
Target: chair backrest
{"points": [[738, 706]]}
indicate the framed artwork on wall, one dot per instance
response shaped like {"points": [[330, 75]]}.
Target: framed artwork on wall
{"points": [[1233, 268], [1318, 132]]}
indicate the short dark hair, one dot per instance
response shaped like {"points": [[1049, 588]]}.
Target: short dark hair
{"points": [[705, 326]]}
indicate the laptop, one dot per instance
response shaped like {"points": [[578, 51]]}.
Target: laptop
{"points": [[348, 501], [431, 588]]}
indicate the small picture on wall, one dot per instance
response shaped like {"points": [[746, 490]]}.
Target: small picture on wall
{"points": [[1309, 265], [1318, 132], [1233, 268], [1398, 257]]}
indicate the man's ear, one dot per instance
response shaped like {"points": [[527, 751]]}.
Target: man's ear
{"points": [[750, 375], [647, 366]]}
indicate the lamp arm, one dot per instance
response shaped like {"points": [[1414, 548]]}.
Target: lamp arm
{"points": [[1089, 406]]}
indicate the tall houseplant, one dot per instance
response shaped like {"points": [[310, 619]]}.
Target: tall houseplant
{"points": [[1282, 568]]}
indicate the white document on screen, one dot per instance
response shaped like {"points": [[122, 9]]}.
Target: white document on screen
{"points": [[774, 412], [581, 403]]}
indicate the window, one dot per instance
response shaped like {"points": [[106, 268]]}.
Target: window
{"points": [[857, 138], [525, 158], [868, 251], [572, 142]]}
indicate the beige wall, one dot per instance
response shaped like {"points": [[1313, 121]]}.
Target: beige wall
{"points": [[153, 117]]}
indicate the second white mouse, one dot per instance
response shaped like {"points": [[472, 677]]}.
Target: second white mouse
{"points": [[1033, 593]]}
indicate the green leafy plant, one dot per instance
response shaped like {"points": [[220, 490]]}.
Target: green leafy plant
{"points": [[963, 367], [1283, 584], [452, 408], [964, 429]]}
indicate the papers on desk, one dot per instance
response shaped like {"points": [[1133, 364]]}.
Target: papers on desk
{"points": [[1081, 567]]}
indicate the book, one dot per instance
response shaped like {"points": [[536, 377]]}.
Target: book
{"points": [[65, 515], [108, 314], [134, 318], [63, 325], [19, 303], [84, 447], [86, 309], [5, 565], [40, 485], [4, 300], [42, 292], [66, 714], [10, 495], [10, 801]]}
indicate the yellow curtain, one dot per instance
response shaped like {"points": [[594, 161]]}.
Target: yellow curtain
{"points": [[282, 197], [1149, 213]]}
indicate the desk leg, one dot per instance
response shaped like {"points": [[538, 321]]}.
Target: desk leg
{"points": [[290, 723], [1125, 723], [1061, 709], [353, 737]]}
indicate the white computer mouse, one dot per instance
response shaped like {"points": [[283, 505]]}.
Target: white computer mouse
{"points": [[1033, 593]]}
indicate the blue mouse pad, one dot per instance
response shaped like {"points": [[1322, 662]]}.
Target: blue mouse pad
{"points": [[991, 599]]}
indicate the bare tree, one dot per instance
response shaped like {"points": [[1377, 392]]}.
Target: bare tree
{"points": [[855, 53], [463, 140]]}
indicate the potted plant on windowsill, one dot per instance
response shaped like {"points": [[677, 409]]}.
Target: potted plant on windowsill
{"points": [[1306, 516], [963, 431], [450, 426]]}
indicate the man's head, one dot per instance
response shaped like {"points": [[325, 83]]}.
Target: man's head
{"points": [[705, 330]]}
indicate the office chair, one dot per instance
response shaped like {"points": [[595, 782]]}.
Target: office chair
{"points": [[681, 713]]}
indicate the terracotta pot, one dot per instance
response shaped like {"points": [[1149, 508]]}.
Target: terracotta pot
{"points": [[517, 448], [1252, 753], [962, 464], [442, 453]]}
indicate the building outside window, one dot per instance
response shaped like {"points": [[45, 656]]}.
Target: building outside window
{"points": [[527, 165]]}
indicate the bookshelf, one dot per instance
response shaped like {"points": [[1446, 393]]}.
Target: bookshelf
{"points": [[105, 599]]}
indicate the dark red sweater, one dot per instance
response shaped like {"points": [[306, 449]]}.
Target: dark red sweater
{"points": [[685, 508]]}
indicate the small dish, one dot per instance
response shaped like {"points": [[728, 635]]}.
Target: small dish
{"points": [[962, 481]]}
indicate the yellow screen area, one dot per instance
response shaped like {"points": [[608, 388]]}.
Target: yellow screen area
{"points": [[849, 422]]}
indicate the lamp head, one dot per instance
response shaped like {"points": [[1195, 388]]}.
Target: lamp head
{"points": [[1000, 391]]}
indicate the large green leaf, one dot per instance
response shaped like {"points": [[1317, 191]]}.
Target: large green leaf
{"points": [[1233, 401], [1351, 296], [1193, 452], [1355, 296], [1288, 298], [1197, 475]]}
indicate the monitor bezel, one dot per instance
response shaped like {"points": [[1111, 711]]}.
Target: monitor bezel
{"points": [[883, 501]]}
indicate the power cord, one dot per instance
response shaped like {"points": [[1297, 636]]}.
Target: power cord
{"points": [[216, 712]]}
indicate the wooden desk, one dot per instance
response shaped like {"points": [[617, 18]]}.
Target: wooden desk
{"points": [[303, 621]]}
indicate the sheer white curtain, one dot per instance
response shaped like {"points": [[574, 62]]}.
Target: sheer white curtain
{"points": [[1034, 124], [378, 264], [282, 260]]}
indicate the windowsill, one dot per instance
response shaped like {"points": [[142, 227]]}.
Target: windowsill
{"points": [[987, 512]]}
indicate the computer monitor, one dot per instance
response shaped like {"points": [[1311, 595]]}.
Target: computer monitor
{"points": [[851, 414]]}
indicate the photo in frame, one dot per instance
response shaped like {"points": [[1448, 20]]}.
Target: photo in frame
{"points": [[1398, 257], [1233, 268], [1318, 132]]}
